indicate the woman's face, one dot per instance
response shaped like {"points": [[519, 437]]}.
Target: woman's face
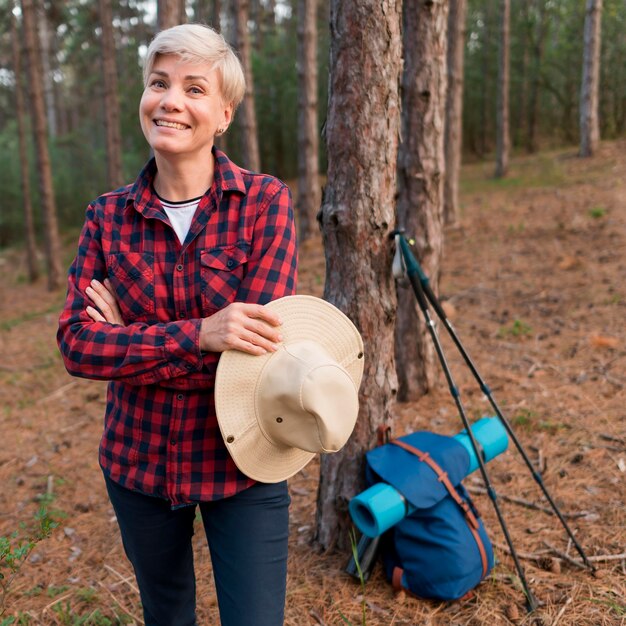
{"points": [[182, 108]]}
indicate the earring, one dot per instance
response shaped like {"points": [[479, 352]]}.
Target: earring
{"points": [[220, 131]]}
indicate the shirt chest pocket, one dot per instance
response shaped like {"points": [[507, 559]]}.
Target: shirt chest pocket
{"points": [[222, 270], [132, 277]]}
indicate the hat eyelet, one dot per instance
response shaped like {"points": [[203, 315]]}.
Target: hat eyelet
{"points": [[230, 439], [279, 420], [359, 355]]}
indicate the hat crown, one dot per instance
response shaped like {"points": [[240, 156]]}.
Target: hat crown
{"points": [[306, 399]]}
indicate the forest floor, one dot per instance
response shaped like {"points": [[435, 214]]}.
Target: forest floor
{"points": [[535, 274]]}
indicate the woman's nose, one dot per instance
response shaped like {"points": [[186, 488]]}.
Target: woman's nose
{"points": [[172, 100]]}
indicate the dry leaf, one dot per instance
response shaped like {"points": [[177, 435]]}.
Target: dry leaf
{"points": [[603, 341], [569, 263]]}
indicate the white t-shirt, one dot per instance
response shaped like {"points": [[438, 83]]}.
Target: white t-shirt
{"points": [[180, 214]]}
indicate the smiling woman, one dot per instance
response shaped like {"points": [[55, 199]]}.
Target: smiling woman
{"points": [[171, 271]]}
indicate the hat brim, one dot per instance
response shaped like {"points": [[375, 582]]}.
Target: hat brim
{"points": [[303, 318]]}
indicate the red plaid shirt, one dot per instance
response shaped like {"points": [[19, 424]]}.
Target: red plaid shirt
{"points": [[161, 435]]}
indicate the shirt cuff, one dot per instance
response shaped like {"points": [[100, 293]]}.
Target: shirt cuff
{"points": [[182, 347]]}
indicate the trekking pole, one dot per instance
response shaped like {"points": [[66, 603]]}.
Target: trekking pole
{"points": [[425, 284], [413, 274]]}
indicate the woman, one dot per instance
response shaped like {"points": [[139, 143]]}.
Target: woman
{"points": [[171, 271]]}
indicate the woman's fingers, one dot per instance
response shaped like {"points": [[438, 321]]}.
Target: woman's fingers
{"points": [[250, 328], [94, 314], [102, 296]]}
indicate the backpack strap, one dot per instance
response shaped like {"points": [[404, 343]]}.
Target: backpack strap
{"points": [[442, 476]]}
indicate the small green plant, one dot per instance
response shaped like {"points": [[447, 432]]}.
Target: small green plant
{"points": [[614, 605], [53, 591], [597, 212], [87, 595], [517, 329], [525, 419], [355, 555], [15, 550]]}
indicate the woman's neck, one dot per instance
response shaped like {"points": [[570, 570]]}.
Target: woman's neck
{"points": [[179, 179]]}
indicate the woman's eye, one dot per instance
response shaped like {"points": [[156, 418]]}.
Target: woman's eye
{"points": [[196, 90], [158, 83]]}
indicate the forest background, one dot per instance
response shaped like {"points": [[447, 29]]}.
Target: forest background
{"points": [[541, 246], [546, 52]]}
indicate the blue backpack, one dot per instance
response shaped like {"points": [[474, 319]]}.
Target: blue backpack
{"points": [[440, 550]]}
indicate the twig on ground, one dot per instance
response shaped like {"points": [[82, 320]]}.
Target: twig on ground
{"points": [[119, 603], [560, 613], [527, 503], [56, 601], [598, 558], [313, 613], [58, 392], [529, 556], [608, 437], [124, 579]]}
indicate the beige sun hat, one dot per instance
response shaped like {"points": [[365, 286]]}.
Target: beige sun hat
{"points": [[278, 410]]}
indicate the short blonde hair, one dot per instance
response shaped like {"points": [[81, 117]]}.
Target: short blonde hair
{"points": [[197, 43]]}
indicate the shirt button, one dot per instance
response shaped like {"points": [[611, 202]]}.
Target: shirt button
{"points": [[230, 263], [181, 315], [179, 267], [180, 396], [173, 442]]}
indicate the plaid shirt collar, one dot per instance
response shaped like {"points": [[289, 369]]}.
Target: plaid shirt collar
{"points": [[227, 178]]}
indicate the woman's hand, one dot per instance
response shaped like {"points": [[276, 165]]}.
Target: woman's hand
{"points": [[102, 296], [251, 328]]}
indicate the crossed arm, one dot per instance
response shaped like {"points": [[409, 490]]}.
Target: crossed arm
{"points": [[250, 328]]}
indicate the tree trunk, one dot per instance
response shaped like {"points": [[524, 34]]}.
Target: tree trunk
{"points": [[533, 100], [170, 13], [31, 246], [421, 171], [309, 192], [503, 141], [357, 215], [115, 177], [45, 48], [217, 13], [454, 110], [46, 192], [589, 124], [247, 113]]}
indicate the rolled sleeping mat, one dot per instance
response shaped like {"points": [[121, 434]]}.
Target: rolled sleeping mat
{"points": [[380, 507]]}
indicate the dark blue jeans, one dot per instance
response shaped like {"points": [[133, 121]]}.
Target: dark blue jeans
{"points": [[247, 536]]}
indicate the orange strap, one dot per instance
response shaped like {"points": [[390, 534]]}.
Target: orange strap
{"points": [[442, 476]]}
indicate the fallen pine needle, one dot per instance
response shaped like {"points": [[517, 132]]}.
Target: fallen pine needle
{"points": [[119, 603], [124, 579], [562, 611]]}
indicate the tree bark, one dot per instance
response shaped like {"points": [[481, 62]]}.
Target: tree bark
{"points": [[31, 246], [357, 215], [46, 192], [421, 170], [309, 192], [45, 48], [247, 113], [537, 57], [115, 177], [170, 13], [503, 141], [454, 110], [589, 120], [217, 13]]}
